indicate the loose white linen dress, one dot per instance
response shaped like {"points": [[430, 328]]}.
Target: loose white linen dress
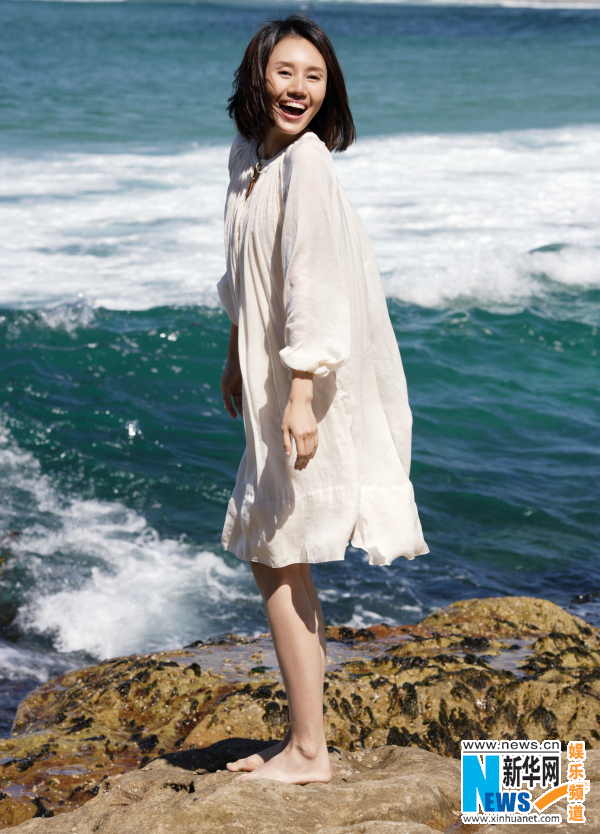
{"points": [[303, 286]]}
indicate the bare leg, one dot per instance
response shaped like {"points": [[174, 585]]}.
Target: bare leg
{"points": [[296, 636], [252, 762], [318, 613]]}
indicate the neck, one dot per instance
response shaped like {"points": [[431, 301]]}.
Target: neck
{"points": [[274, 142]]}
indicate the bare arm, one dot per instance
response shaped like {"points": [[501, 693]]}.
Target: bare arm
{"points": [[299, 420]]}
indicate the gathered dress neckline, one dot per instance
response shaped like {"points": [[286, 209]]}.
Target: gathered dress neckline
{"points": [[256, 158]]}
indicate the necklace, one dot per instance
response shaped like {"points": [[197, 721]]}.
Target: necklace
{"points": [[255, 175]]}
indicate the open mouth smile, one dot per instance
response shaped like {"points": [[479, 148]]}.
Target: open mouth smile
{"points": [[292, 109]]}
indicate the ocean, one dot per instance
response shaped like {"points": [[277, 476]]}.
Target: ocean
{"points": [[477, 175]]}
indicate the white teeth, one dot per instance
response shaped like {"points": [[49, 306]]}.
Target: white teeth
{"points": [[294, 104]]}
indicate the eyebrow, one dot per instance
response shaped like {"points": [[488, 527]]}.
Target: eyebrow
{"points": [[292, 64]]}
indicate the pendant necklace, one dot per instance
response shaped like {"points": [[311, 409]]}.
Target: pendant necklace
{"points": [[255, 175]]}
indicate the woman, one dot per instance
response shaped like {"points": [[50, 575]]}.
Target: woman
{"points": [[312, 359]]}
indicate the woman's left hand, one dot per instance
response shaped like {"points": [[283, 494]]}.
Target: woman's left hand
{"points": [[299, 421]]}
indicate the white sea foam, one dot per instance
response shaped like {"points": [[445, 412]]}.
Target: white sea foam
{"points": [[521, 4], [101, 580], [18, 663], [458, 218], [454, 219], [124, 231], [68, 316]]}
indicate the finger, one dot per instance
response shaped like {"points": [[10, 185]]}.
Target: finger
{"points": [[311, 442], [237, 401], [302, 461], [308, 449], [306, 460], [287, 441], [302, 446], [227, 401], [310, 456], [300, 457]]}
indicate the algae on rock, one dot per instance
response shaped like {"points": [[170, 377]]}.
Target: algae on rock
{"points": [[502, 667]]}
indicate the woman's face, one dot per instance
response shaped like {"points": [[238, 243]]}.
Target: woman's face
{"points": [[296, 79]]}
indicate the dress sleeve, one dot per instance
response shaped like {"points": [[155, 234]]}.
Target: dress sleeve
{"points": [[227, 299], [317, 308]]}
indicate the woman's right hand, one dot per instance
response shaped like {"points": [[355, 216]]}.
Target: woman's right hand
{"points": [[231, 386], [231, 381]]}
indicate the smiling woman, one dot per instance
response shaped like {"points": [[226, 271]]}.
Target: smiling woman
{"points": [[312, 359], [290, 63], [296, 83]]}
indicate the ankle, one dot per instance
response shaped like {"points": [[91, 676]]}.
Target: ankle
{"points": [[311, 749]]}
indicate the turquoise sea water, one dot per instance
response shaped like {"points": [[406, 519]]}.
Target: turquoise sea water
{"points": [[477, 174]]}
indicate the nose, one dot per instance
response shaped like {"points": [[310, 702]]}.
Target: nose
{"points": [[296, 86]]}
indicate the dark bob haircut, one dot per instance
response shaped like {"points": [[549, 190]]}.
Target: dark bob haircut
{"points": [[250, 106]]}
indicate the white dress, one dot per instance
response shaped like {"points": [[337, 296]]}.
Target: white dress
{"points": [[303, 286]]}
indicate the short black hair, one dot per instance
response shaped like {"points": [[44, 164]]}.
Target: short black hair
{"points": [[249, 105]]}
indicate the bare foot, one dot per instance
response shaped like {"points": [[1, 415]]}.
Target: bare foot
{"points": [[291, 766], [257, 759]]}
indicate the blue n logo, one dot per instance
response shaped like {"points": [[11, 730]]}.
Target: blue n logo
{"points": [[475, 781]]}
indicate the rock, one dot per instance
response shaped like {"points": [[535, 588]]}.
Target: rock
{"points": [[72, 732], [503, 667], [468, 671], [383, 789], [379, 790], [505, 617]]}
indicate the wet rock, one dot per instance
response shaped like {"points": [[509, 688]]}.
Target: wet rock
{"points": [[585, 598], [528, 669], [379, 790], [71, 733]]}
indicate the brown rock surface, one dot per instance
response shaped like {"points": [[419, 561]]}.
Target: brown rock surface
{"points": [[503, 667], [382, 789]]}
